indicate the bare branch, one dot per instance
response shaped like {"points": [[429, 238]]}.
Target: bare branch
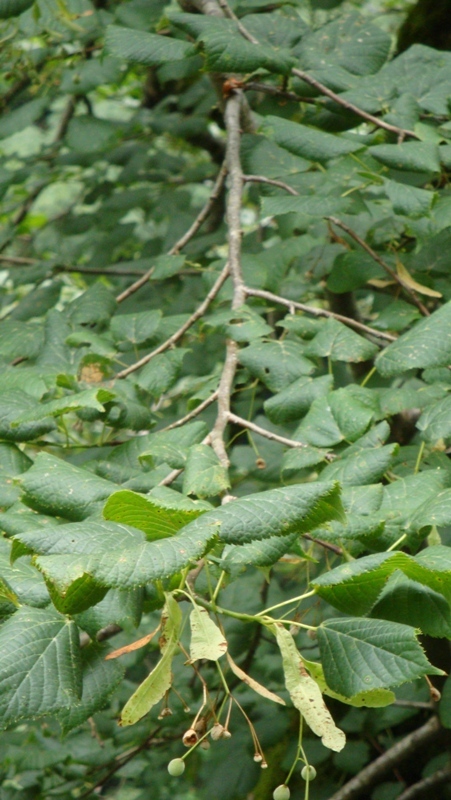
{"points": [[318, 312], [199, 312], [334, 548], [19, 260], [66, 117], [376, 257], [192, 414], [401, 132], [171, 477], [245, 423], [234, 198], [423, 788], [274, 91], [192, 230], [374, 772], [231, 15], [271, 181]]}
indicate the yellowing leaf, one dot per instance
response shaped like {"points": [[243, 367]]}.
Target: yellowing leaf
{"points": [[128, 648], [157, 683], [207, 641], [306, 694], [407, 280], [372, 698], [255, 685]]}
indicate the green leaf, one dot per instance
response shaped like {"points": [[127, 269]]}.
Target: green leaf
{"points": [[311, 143], [147, 514], [350, 42], [435, 422], [12, 8], [131, 330], [411, 156], [172, 447], [444, 708], [339, 343], [362, 467], [427, 344], [54, 486], [100, 679], [226, 50], [295, 400], [22, 583], [407, 601], [354, 587], [409, 200], [276, 364], [89, 398], [15, 404], [39, 665], [204, 474], [362, 654], [311, 205], [154, 687], [306, 694], [141, 47], [372, 698], [161, 372], [207, 641], [352, 270], [263, 553], [242, 324]]}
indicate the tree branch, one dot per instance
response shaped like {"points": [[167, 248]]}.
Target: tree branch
{"points": [[423, 788], [192, 230], [199, 312], [318, 312], [401, 132], [375, 771], [192, 414], [245, 423], [232, 122], [376, 257], [271, 181]]}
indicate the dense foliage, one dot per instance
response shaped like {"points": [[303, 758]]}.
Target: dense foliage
{"points": [[225, 409]]}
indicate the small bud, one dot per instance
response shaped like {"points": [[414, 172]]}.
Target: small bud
{"points": [[281, 792], [264, 765], [165, 712], [435, 694], [226, 735], [258, 757], [190, 737], [217, 731], [176, 767], [205, 744], [260, 463], [308, 773]]}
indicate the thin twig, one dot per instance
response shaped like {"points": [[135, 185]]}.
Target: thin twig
{"points": [[426, 787], [25, 262], [66, 117], [318, 312], [246, 423], [375, 771], [199, 312], [231, 15], [192, 414], [380, 123], [334, 548], [271, 181], [192, 230], [274, 91], [234, 198], [102, 635], [376, 257], [171, 477]]}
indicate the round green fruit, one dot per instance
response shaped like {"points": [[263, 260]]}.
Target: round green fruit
{"points": [[281, 792], [176, 767], [308, 773]]}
